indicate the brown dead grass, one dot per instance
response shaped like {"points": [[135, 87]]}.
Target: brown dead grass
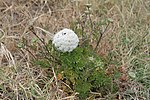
{"points": [[20, 80]]}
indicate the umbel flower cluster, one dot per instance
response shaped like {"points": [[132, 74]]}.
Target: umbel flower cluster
{"points": [[65, 40]]}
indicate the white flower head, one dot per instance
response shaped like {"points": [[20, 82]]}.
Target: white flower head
{"points": [[65, 40]]}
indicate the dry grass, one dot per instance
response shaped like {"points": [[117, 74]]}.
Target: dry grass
{"points": [[127, 41]]}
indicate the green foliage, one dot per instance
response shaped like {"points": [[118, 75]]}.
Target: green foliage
{"points": [[86, 71], [44, 63]]}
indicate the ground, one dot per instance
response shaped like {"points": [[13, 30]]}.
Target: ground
{"points": [[122, 26]]}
